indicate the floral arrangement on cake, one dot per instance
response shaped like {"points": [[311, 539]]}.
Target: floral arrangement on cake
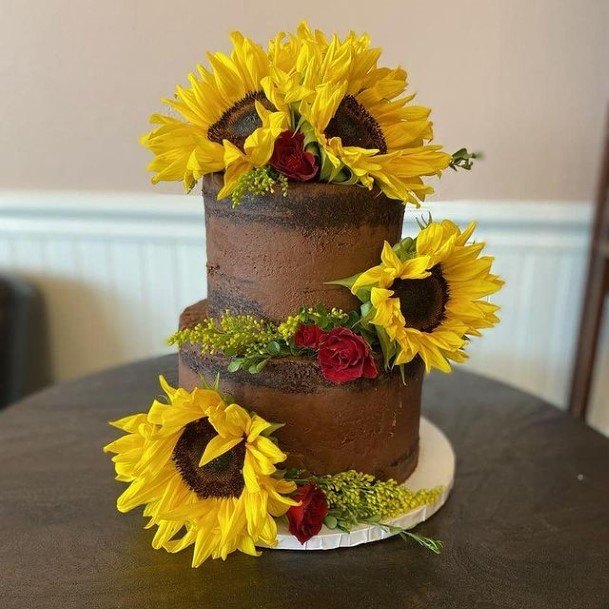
{"points": [[208, 474], [308, 107], [425, 299], [212, 474]]}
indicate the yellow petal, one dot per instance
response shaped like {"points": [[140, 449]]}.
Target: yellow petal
{"points": [[415, 268], [389, 257], [257, 426], [131, 423], [216, 447]]}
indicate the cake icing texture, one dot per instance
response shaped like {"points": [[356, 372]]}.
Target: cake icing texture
{"points": [[269, 257], [368, 425], [274, 254]]}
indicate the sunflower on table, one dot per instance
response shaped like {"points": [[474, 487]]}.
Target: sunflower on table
{"points": [[203, 468]]}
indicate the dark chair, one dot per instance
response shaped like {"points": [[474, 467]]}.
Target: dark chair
{"points": [[24, 354]]}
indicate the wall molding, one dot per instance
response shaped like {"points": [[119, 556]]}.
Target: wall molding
{"points": [[117, 268], [120, 215]]}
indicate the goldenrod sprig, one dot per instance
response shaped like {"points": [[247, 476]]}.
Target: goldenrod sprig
{"points": [[355, 498], [259, 181], [250, 342]]}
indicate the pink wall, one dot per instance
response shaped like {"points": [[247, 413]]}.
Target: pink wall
{"points": [[525, 80]]}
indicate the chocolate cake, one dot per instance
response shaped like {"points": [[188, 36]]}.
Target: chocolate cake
{"points": [[300, 374], [272, 255]]}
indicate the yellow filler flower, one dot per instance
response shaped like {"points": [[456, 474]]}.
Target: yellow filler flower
{"points": [[203, 469], [428, 303]]}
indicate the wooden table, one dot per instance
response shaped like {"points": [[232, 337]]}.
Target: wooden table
{"points": [[527, 524]]}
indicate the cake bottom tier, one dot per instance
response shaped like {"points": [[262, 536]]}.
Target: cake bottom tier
{"points": [[369, 425]]}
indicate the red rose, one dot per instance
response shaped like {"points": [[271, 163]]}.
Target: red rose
{"points": [[291, 159], [307, 336], [345, 356], [306, 519]]}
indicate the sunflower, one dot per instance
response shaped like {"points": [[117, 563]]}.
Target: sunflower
{"points": [[361, 120], [203, 469], [222, 105], [427, 297], [295, 60]]}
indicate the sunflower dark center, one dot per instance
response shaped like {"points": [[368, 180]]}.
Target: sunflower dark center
{"points": [[355, 126], [239, 121], [220, 478], [423, 301]]}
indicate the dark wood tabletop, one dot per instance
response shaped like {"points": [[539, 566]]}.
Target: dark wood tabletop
{"points": [[527, 524]]}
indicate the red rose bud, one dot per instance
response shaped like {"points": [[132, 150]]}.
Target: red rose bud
{"points": [[344, 356], [308, 336], [291, 159], [306, 519]]}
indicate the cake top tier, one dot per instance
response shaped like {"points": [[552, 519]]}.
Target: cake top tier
{"points": [[275, 253]]}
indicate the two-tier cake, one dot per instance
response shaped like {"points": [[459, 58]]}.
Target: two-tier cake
{"points": [[300, 375], [273, 255]]}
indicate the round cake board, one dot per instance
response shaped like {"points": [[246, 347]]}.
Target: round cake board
{"points": [[436, 467]]}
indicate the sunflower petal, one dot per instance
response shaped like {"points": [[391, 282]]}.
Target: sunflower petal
{"points": [[216, 447]]}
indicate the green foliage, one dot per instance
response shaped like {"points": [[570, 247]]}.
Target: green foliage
{"points": [[250, 342], [356, 498], [406, 248], [464, 159], [244, 339], [347, 282], [326, 320], [319, 316], [259, 181]]}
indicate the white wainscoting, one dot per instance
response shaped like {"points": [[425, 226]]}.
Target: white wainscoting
{"points": [[117, 268]]}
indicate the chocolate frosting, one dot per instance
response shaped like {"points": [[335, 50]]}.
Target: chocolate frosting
{"points": [[274, 253], [370, 425], [269, 257]]}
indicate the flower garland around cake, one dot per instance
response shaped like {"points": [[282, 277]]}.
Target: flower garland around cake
{"points": [[425, 299], [208, 474], [249, 343], [308, 107]]}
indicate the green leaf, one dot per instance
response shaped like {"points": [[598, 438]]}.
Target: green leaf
{"points": [[346, 177], [274, 348], [435, 545], [353, 319], [347, 282], [343, 525], [269, 431], [463, 159], [404, 248], [367, 314], [257, 367], [387, 346], [363, 294], [235, 364]]}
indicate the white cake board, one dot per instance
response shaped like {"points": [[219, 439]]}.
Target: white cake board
{"points": [[436, 467]]}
